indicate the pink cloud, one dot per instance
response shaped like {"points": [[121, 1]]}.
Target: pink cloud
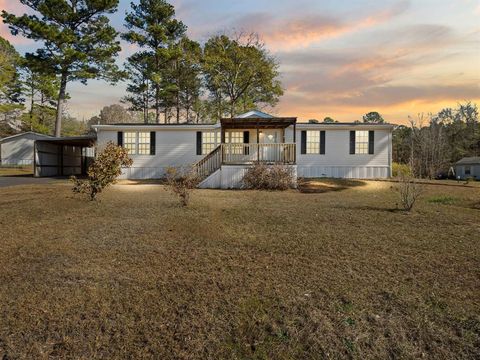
{"points": [[18, 9], [300, 32]]}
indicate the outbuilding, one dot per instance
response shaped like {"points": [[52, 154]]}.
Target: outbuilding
{"points": [[468, 167], [18, 149], [63, 156]]}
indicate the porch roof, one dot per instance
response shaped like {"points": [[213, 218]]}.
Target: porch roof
{"points": [[257, 122]]}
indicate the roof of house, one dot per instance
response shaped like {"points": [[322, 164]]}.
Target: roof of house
{"points": [[24, 134], [473, 160], [254, 114], [86, 140]]}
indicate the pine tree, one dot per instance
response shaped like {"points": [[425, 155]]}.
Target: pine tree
{"points": [[78, 42], [152, 27]]}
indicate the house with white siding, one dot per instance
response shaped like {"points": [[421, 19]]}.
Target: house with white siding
{"points": [[222, 152]]}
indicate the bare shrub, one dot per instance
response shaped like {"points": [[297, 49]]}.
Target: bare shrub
{"points": [[409, 191], [269, 177], [181, 182], [103, 172]]}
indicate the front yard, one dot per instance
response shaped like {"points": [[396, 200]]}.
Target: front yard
{"points": [[333, 273]]}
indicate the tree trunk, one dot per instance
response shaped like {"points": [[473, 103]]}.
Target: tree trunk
{"points": [[178, 108], [157, 104], [32, 94], [61, 99]]}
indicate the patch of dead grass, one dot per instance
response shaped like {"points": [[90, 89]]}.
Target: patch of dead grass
{"points": [[238, 274]]}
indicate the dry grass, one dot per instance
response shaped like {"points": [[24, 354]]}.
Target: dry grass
{"points": [[238, 274], [16, 171]]}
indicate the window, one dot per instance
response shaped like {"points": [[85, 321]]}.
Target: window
{"points": [[361, 142], [210, 139], [137, 143], [467, 170], [143, 143], [313, 142], [235, 137], [130, 142]]}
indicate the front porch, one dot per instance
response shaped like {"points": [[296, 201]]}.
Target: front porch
{"points": [[251, 139]]}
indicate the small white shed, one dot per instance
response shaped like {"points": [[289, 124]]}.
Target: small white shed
{"points": [[468, 167], [18, 149]]}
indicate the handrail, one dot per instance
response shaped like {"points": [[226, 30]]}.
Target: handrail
{"points": [[239, 153], [278, 153], [210, 163]]}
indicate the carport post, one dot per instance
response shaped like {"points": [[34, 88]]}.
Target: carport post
{"points": [[61, 160]]}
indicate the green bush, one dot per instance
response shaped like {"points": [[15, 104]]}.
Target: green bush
{"points": [[401, 170], [104, 171], [442, 199]]}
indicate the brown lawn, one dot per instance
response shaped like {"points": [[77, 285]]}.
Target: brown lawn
{"points": [[16, 171], [239, 274]]}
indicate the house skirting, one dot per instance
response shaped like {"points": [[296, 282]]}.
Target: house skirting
{"points": [[230, 177], [347, 172]]}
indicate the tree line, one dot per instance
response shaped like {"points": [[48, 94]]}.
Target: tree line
{"points": [[170, 78], [431, 144]]}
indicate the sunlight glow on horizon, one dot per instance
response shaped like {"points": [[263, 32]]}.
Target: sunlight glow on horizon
{"points": [[397, 57]]}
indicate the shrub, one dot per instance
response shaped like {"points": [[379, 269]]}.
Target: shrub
{"points": [[182, 182], [103, 172], [409, 191], [401, 170], [269, 177]]}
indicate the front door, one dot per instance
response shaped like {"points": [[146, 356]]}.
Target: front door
{"points": [[270, 137]]}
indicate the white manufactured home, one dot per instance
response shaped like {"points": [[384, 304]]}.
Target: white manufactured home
{"points": [[222, 152]]}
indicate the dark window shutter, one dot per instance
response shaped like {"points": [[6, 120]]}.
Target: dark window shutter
{"points": [[120, 138], [322, 142], [371, 142], [152, 142], [246, 140], [303, 143], [199, 143], [352, 142]]}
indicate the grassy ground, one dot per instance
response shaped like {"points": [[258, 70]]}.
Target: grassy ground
{"points": [[16, 171], [336, 273]]}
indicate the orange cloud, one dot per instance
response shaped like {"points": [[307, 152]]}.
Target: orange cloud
{"points": [[301, 32]]}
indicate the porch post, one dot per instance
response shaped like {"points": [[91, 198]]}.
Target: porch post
{"points": [[295, 142], [258, 144]]}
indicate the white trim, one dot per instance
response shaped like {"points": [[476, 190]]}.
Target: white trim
{"points": [[25, 133], [344, 126], [157, 127]]}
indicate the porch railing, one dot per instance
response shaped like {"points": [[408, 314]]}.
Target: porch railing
{"points": [[281, 153], [210, 163]]}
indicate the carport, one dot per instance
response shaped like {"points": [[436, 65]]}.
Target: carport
{"points": [[63, 156]]}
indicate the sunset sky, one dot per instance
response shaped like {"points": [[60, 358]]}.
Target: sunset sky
{"points": [[338, 58]]}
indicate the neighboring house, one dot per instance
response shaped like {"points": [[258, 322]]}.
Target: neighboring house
{"points": [[18, 149], [468, 167], [223, 151]]}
